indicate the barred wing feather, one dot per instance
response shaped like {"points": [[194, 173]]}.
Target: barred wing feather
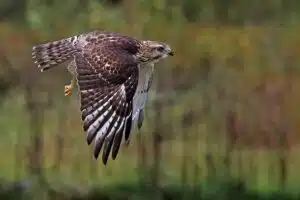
{"points": [[106, 95]]}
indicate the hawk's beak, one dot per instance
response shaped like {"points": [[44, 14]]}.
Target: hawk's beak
{"points": [[171, 53]]}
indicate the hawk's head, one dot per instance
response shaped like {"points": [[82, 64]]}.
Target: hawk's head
{"points": [[152, 51]]}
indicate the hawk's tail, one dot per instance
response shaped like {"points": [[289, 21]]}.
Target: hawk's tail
{"points": [[53, 53]]}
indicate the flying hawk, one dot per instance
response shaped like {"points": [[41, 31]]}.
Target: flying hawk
{"points": [[113, 73]]}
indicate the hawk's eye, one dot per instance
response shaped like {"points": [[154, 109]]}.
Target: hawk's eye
{"points": [[160, 49]]}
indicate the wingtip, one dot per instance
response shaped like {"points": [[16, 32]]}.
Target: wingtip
{"points": [[104, 158], [89, 138], [96, 155], [104, 162]]}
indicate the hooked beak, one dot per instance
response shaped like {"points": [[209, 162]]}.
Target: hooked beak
{"points": [[171, 53]]}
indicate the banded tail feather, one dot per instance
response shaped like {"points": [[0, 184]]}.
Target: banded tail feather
{"points": [[50, 54]]}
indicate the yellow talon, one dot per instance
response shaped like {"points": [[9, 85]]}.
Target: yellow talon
{"points": [[68, 88]]}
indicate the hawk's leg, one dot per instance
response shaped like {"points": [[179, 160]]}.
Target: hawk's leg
{"points": [[68, 88]]}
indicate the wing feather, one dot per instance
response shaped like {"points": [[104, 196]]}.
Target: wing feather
{"points": [[140, 97], [107, 81]]}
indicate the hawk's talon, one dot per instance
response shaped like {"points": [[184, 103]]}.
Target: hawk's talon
{"points": [[68, 89]]}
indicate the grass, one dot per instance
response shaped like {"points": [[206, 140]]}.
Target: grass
{"points": [[216, 190], [259, 168]]}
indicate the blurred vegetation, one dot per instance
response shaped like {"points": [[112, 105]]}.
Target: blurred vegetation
{"points": [[221, 120]]}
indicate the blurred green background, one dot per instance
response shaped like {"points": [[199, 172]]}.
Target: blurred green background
{"points": [[222, 118]]}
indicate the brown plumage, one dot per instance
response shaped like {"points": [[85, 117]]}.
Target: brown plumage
{"points": [[113, 74]]}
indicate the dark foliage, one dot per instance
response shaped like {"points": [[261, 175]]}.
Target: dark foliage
{"points": [[222, 190]]}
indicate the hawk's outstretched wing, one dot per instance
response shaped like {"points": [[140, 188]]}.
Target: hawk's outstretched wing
{"points": [[107, 80]]}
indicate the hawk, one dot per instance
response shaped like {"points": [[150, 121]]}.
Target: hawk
{"points": [[113, 73]]}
